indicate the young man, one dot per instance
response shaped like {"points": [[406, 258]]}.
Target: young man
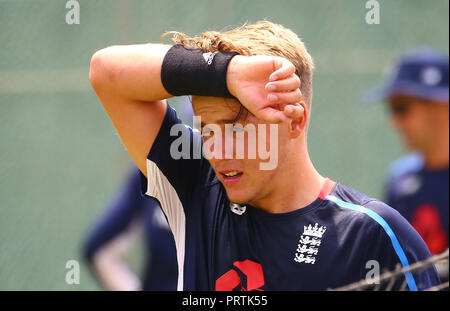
{"points": [[417, 98], [241, 222]]}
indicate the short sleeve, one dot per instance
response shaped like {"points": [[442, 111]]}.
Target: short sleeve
{"points": [[394, 242], [176, 170]]}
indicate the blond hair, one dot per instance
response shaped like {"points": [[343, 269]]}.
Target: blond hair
{"points": [[260, 38]]}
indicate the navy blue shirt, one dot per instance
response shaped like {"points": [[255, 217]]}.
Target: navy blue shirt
{"points": [[224, 246], [160, 270], [422, 197]]}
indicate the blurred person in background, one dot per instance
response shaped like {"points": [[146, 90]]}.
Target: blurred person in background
{"points": [[129, 216], [417, 94]]}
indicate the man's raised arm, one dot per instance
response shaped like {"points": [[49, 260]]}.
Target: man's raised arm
{"points": [[133, 81], [127, 80]]}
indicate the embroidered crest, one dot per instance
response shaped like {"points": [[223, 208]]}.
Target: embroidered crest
{"points": [[308, 246]]}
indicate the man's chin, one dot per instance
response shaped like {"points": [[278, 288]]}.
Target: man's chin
{"points": [[239, 196]]}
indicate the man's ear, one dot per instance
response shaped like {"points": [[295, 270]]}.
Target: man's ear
{"points": [[298, 125]]}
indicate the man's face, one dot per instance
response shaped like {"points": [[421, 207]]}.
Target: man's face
{"points": [[243, 178], [416, 120]]}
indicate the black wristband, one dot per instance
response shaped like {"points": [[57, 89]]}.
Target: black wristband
{"points": [[189, 71]]}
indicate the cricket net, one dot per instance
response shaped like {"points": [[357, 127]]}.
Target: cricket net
{"points": [[387, 279]]}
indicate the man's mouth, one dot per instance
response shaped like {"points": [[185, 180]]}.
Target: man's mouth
{"points": [[230, 177], [232, 173]]}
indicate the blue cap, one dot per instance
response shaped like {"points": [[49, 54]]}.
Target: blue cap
{"points": [[419, 73]]}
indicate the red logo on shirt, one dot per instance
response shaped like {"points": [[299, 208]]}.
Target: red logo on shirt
{"points": [[245, 275], [427, 221]]}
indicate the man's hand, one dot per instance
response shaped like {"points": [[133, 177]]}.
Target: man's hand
{"points": [[267, 86]]}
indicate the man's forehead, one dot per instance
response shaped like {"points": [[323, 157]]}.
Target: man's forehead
{"points": [[214, 109]]}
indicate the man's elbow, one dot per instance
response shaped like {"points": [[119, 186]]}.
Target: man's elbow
{"points": [[100, 71]]}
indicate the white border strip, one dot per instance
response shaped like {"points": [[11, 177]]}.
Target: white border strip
{"points": [[159, 187]]}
